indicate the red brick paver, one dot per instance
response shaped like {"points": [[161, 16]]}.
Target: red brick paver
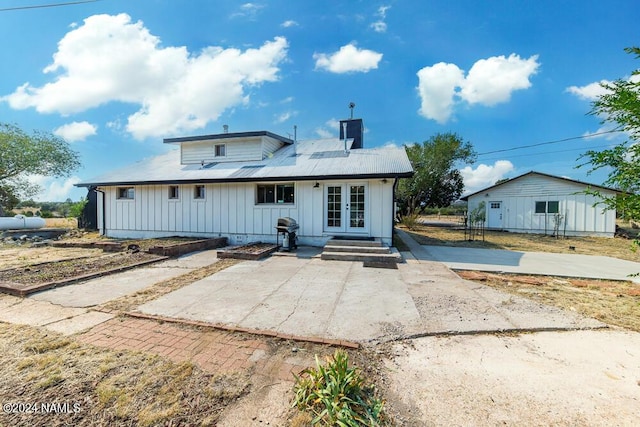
{"points": [[213, 350]]}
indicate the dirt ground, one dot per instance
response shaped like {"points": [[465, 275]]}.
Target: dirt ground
{"points": [[551, 378]]}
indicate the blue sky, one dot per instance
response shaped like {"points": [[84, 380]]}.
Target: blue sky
{"points": [[115, 77]]}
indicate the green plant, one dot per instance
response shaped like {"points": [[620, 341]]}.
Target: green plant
{"points": [[337, 395], [410, 221]]}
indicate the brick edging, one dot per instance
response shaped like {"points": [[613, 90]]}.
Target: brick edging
{"points": [[314, 340]]}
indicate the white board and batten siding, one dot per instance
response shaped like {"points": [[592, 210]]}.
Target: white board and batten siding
{"points": [[247, 149], [517, 201], [230, 210]]}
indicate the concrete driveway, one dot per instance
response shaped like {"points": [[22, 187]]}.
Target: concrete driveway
{"points": [[503, 261]]}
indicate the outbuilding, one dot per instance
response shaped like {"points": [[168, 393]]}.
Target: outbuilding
{"points": [[237, 185], [536, 202]]}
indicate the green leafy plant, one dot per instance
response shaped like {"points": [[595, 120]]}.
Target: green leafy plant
{"points": [[336, 394], [410, 221]]}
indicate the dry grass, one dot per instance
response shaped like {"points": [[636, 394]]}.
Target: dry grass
{"points": [[107, 387], [442, 236], [130, 302], [613, 302], [61, 222]]}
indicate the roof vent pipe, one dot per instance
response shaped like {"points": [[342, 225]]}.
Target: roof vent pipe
{"points": [[344, 132], [295, 139], [225, 128]]}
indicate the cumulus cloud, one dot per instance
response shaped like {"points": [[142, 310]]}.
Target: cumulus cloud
{"points": [[489, 82], [248, 10], [436, 88], [76, 131], [52, 189], [348, 59], [484, 175], [289, 23], [281, 118], [110, 58], [590, 92]]}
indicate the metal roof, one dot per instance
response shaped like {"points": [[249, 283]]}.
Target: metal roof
{"points": [[561, 178], [304, 160]]}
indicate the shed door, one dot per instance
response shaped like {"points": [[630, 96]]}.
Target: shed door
{"points": [[495, 215]]}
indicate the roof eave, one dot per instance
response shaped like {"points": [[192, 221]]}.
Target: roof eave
{"points": [[389, 175]]}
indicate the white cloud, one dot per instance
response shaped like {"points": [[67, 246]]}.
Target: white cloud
{"points": [[380, 26], [484, 175], [348, 59], [76, 131], [331, 129], [489, 82], [289, 23], [54, 189], [590, 92], [436, 88], [281, 118], [109, 58], [248, 10]]}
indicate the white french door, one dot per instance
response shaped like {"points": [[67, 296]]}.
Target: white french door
{"points": [[346, 208]]}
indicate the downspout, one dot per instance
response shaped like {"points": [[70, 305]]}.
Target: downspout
{"points": [[393, 207], [104, 227]]}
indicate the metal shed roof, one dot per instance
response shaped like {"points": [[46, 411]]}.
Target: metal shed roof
{"points": [[304, 160]]}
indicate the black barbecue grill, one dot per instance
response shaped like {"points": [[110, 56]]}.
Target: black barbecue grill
{"points": [[288, 227]]}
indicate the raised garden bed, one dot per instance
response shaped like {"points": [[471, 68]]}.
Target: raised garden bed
{"points": [[34, 278], [250, 251], [182, 248]]}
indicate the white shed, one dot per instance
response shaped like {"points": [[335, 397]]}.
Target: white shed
{"points": [[540, 203], [237, 185]]}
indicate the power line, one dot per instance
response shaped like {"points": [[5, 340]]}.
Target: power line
{"points": [[47, 5], [551, 142], [547, 152]]}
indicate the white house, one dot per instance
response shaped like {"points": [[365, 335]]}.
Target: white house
{"points": [[540, 203], [237, 185]]}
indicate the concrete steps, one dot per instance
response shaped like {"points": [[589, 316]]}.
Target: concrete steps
{"points": [[368, 251]]}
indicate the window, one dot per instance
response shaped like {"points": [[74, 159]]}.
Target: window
{"points": [[275, 193], [174, 192], [547, 207], [221, 150], [198, 192], [126, 193], [494, 205]]}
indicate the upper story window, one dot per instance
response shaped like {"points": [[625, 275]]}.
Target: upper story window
{"points": [[198, 192], [174, 192], [125, 193], [220, 150], [275, 193], [548, 207]]}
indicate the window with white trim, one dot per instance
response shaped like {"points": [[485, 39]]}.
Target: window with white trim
{"points": [[125, 193], [548, 207], [174, 192], [198, 192], [220, 150]]}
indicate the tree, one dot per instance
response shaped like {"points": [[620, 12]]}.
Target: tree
{"points": [[437, 182], [620, 105], [22, 155]]}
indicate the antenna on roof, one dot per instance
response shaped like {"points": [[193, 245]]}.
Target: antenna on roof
{"points": [[352, 105]]}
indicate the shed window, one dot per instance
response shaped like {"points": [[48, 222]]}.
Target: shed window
{"points": [[174, 192], [198, 192], [275, 193], [221, 150], [126, 193], [548, 207]]}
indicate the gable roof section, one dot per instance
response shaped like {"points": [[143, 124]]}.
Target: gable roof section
{"points": [[295, 162], [466, 198]]}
